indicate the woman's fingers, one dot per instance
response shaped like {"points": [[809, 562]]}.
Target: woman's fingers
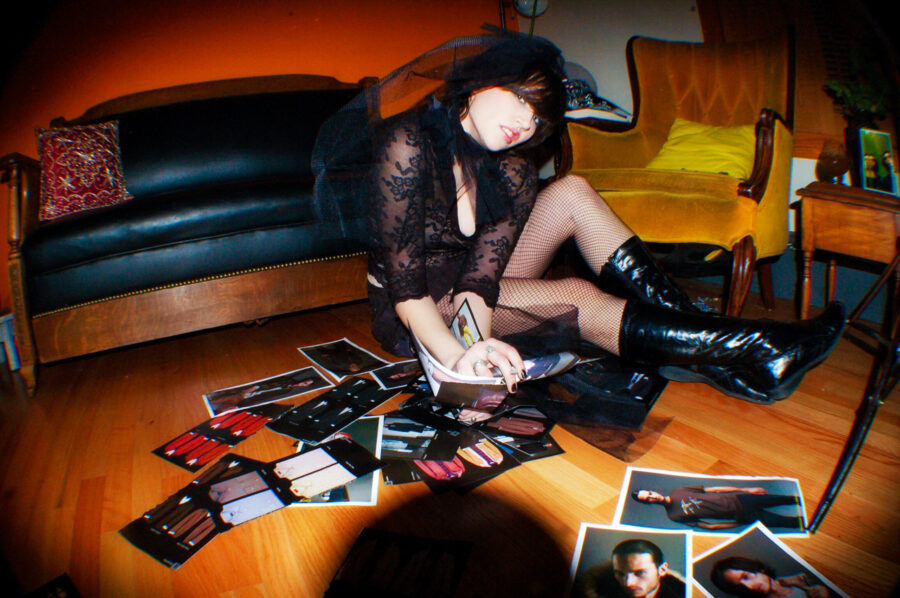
{"points": [[507, 359], [493, 357]]}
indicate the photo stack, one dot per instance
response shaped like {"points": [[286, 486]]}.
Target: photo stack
{"points": [[647, 551]]}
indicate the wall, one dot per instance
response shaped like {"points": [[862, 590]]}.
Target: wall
{"points": [[593, 34], [89, 51]]}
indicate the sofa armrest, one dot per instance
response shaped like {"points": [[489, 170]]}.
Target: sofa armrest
{"points": [[764, 158], [23, 175]]}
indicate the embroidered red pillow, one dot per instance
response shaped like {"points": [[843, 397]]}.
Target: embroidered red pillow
{"points": [[81, 169]]}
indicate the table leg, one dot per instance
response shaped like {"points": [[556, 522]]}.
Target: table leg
{"points": [[830, 281], [805, 284]]}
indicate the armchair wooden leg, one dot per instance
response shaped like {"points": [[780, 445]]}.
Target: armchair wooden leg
{"points": [[741, 275], [766, 287]]}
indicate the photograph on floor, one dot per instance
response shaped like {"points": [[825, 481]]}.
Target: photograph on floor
{"points": [[724, 504], [757, 563], [367, 432], [267, 390], [398, 375], [611, 562], [342, 358]]}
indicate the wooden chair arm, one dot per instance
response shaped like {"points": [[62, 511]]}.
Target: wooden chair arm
{"points": [[23, 175], [755, 185]]}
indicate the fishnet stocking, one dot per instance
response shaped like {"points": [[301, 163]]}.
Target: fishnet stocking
{"points": [[565, 209], [523, 301]]}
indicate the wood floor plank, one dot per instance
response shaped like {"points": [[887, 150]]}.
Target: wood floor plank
{"points": [[76, 466]]}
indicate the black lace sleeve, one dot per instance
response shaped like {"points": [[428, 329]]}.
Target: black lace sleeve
{"points": [[397, 210], [494, 243]]}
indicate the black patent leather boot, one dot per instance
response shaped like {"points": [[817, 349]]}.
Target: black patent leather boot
{"points": [[632, 272], [757, 360]]}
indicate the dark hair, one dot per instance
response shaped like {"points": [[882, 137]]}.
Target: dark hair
{"points": [[738, 563], [639, 546], [635, 494], [529, 67]]}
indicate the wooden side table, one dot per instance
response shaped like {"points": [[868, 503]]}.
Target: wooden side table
{"points": [[864, 224], [849, 221]]}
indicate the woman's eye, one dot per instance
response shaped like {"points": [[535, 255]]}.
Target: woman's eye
{"points": [[521, 98]]}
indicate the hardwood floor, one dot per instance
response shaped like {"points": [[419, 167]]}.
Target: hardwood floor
{"points": [[76, 467]]}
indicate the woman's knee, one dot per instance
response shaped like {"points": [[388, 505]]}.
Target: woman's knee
{"points": [[574, 183], [575, 191], [581, 291]]}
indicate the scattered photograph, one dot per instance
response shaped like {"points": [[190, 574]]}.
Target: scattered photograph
{"points": [[211, 439], [709, 504], [408, 439], [477, 460], [398, 375], [267, 390], [367, 432], [612, 563], [877, 161], [342, 358], [757, 563]]}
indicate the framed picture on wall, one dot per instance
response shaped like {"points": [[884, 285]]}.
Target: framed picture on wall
{"points": [[878, 169]]}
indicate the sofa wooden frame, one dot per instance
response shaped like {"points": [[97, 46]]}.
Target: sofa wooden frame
{"points": [[190, 306]]}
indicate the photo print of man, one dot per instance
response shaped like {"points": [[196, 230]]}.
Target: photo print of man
{"points": [[624, 563], [710, 504]]}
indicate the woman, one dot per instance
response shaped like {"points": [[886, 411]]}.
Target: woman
{"points": [[748, 578], [454, 214]]}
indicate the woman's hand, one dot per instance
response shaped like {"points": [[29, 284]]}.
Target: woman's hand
{"points": [[487, 357]]}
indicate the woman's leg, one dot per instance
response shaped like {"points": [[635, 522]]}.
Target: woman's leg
{"points": [[755, 360], [570, 208], [567, 208], [524, 300]]}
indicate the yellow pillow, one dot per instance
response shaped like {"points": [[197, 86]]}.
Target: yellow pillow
{"points": [[704, 148]]}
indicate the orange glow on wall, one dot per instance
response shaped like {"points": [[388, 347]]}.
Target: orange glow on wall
{"points": [[90, 51]]}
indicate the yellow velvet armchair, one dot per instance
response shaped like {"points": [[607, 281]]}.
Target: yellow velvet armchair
{"points": [[708, 160]]}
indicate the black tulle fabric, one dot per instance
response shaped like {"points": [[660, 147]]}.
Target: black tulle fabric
{"points": [[413, 190], [389, 154], [396, 168]]}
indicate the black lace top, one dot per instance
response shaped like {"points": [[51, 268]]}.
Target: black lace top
{"points": [[417, 248]]}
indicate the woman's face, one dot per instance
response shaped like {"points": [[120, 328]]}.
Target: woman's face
{"points": [[498, 119], [756, 581]]}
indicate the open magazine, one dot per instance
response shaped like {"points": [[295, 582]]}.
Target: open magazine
{"points": [[481, 392]]}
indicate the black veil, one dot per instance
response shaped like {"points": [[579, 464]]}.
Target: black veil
{"points": [[342, 156]]}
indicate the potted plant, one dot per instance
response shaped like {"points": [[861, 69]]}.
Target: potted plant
{"points": [[864, 97]]}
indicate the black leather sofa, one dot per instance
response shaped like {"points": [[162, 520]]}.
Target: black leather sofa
{"points": [[222, 227]]}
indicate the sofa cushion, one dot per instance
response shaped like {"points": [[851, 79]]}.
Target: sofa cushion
{"points": [[176, 238], [81, 169]]}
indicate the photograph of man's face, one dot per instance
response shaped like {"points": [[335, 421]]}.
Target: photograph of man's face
{"points": [[638, 573], [628, 563]]}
